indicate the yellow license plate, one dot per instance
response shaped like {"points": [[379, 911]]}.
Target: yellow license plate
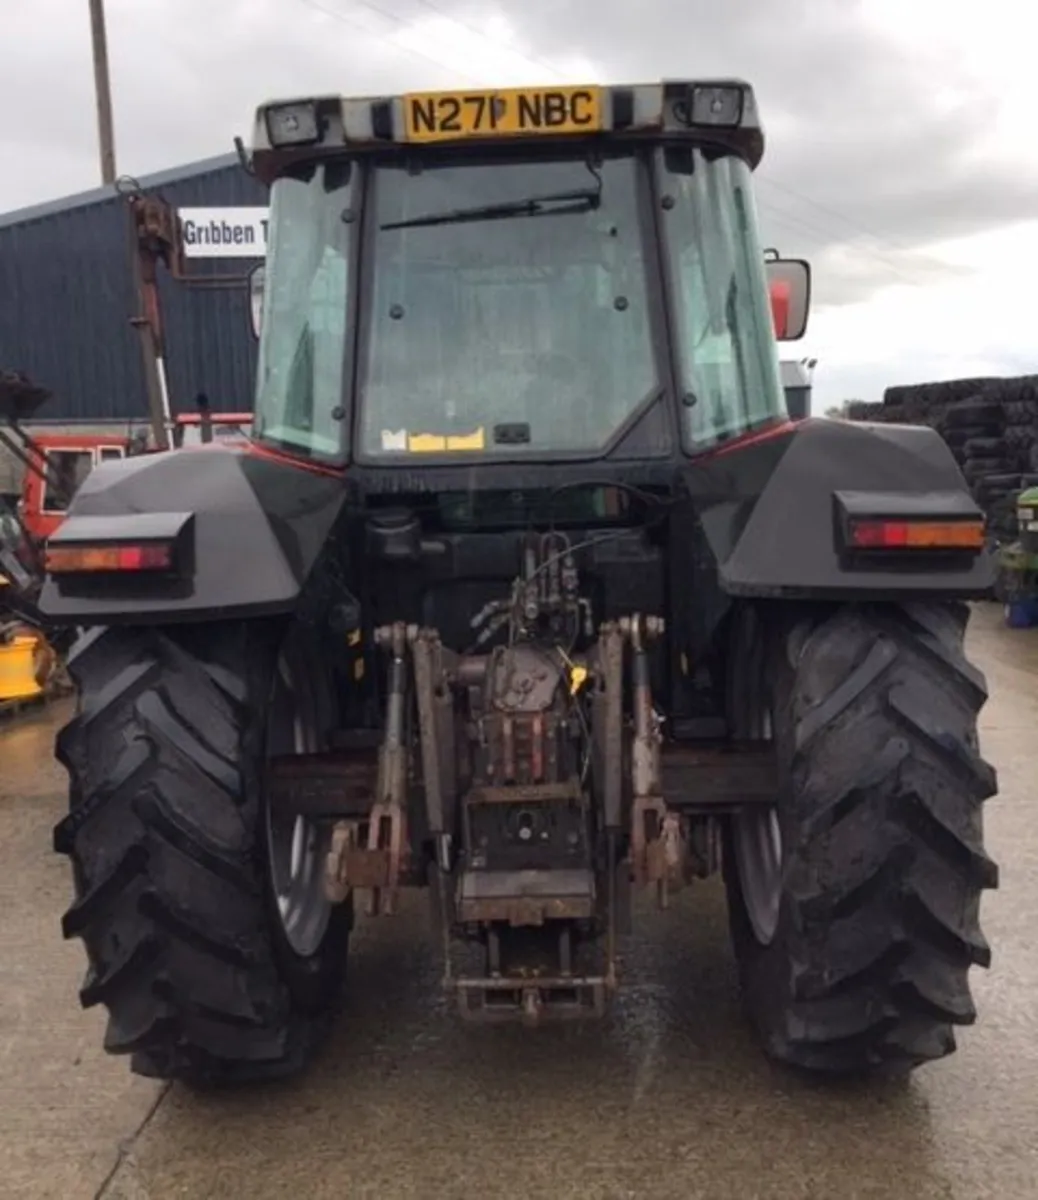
{"points": [[446, 116]]}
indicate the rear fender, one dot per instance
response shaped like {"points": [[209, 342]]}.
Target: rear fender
{"points": [[769, 511], [256, 526]]}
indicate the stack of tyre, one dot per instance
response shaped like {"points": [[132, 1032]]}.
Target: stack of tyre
{"points": [[990, 425], [975, 430], [1020, 404], [862, 410]]}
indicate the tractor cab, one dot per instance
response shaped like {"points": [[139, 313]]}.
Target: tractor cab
{"points": [[541, 275]]}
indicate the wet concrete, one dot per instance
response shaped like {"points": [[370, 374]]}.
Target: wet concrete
{"points": [[669, 1097]]}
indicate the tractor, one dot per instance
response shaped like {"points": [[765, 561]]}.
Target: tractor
{"points": [[523, 589]]}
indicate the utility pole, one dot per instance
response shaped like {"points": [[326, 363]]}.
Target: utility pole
{"points": [[103, 91]]}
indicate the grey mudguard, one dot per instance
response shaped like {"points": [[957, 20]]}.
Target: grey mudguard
{"points": [[258, 527], [768, 511]]}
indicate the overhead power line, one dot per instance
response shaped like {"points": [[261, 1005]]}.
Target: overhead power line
{"points": [[822, 235], [347, 20]]}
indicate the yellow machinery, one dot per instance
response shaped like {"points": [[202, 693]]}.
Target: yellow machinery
{"points": [[26, 659], [19, 668]]}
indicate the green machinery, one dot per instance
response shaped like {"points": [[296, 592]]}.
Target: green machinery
{"points": [[1017, 585]]}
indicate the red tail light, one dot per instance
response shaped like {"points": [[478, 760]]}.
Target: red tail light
{"points": [[67, 560], [916, 535]]}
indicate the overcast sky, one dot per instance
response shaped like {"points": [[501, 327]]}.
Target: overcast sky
{"points": [[902, 157]]}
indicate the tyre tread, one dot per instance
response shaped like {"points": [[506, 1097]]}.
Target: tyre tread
{"points": [[192, 995], [881, 899]]}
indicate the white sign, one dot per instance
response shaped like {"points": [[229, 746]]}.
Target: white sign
{"points": [[223, 232]]}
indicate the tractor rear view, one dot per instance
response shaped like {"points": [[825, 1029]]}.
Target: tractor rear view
{"points": [[524, 590]]}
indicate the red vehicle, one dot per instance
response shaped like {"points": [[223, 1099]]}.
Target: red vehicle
{"points": [[47, 492], [56, 464]]}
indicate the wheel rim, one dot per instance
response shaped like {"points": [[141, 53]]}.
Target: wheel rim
{"points": [[758, 846], [757, 835], [297, 846]]}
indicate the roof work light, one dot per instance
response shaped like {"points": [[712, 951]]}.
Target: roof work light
{"points": [[716, 105], [293, 124]]}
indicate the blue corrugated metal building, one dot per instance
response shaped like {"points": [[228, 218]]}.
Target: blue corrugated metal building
{"points": [[67, 298]]}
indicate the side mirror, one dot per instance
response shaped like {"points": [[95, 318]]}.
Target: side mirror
{"points": [[257, 279], [789, 289]]}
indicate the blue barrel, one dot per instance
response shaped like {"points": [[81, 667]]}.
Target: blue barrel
{"points": [[1021, 614]]}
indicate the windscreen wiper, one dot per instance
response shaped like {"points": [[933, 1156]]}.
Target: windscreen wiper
{"points": [[578, 201]]}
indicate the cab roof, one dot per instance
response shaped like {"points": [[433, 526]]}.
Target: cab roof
{"points": [[306, 128]]}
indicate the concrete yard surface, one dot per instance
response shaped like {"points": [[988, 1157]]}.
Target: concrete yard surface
{"points": [[669, 1097]]}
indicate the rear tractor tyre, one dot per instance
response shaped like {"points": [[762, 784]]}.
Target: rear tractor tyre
{"points": [[217, 963], [855, 909]]}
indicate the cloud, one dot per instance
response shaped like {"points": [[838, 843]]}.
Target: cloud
{"points": [[878, 141], [186, 76], [979, 323], [898, 138], [895, 127], [875, 143], [486, 50]]}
